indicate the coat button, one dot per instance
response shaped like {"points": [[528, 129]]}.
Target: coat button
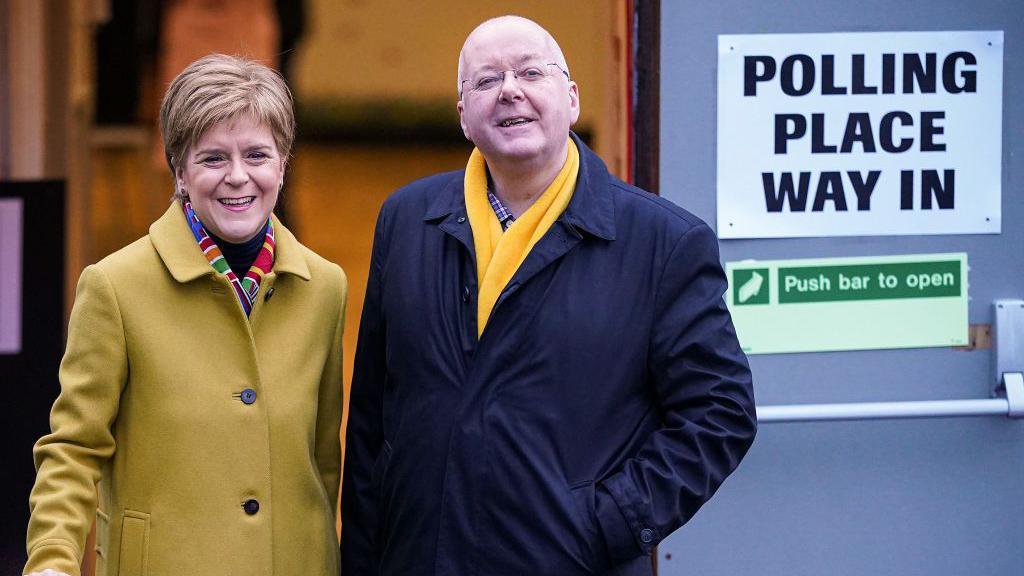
{"points": [[248, 396], [270, 292], [465, 294], [647, 535], [251, 506], [462, 219]]}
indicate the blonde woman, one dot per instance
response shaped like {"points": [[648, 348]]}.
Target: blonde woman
{"points": [[201, 385]]}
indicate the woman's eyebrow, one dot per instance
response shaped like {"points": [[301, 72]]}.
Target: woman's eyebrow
{"points": [[208, 151]]}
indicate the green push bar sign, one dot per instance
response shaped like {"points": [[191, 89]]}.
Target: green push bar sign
{"points": [[818, 305]]}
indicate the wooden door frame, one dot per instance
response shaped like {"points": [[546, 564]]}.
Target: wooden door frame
{"points": [[645, 81]]}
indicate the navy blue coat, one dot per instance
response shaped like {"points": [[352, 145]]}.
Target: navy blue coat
{"points": [[604, 403]]}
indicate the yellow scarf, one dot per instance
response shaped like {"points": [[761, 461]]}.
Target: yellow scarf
{"points": [[498, 255]]}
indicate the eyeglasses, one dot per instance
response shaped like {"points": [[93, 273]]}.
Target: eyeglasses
{"points": [[528, 74]]}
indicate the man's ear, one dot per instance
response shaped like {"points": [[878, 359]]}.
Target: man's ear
{"points": [[574, 102], [460, 106]]}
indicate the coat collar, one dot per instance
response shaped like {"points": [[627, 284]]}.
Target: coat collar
{"points": [[592, 208], [450, 200], [176, 246]]}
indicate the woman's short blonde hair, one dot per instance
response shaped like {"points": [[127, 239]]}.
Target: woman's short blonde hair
{"points": [[216, 88]]}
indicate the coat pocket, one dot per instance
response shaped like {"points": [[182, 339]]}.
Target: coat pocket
{"points": [[592, 546], [134, 557]]}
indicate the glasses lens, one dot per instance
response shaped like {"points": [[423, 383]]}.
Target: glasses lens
{"points": [[530, 73], [485, 83]]}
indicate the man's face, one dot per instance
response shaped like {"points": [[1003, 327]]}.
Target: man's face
{"points": [[519, 121]]}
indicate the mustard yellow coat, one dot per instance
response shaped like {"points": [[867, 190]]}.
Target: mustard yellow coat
{"points": [[151, 407]]}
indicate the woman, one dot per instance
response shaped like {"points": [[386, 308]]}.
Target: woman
{"points": [[201, 385]]}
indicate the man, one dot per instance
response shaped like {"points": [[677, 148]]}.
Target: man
{"points": [[547, 380]]}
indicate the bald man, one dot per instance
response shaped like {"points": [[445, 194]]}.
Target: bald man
{"points": [[547, 380]]}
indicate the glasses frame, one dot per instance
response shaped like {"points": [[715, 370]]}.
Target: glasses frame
{"points": [[515, 74]]}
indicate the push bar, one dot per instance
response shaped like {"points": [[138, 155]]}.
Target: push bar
{"points": [[1012, 406], [1008, 400]]}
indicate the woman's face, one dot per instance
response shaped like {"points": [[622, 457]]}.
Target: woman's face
{"points": [[232, 177]]}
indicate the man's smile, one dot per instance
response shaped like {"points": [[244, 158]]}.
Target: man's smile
{"points": [[515, 121]]}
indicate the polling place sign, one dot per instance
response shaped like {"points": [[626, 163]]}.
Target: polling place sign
{"points": [[816, 305], [859, 134]]}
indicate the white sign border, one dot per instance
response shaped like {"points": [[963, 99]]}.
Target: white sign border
{"points": [[734, 218]]}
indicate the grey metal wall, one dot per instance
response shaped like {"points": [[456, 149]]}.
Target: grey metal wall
{"points": [[929, 497]]}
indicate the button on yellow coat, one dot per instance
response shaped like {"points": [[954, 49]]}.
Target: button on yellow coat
{"points": [[159, 353]]}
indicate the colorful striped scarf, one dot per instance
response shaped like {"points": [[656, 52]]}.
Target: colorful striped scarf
{"points": [[246, 288]]}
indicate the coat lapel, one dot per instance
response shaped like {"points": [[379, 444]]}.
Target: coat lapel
{"points": [[288, 254], [557, 242], [590, 211], [176, 246]]}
